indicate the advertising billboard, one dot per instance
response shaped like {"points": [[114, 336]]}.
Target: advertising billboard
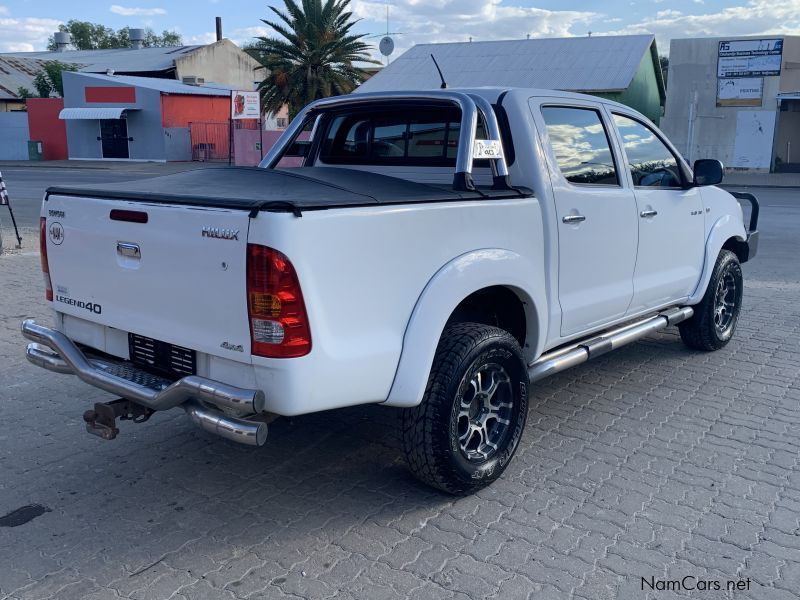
{"points": [[742, 91], [749, 58], [245, 105]]}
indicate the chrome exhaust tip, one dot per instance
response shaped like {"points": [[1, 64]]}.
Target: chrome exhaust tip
{"points": [[249, 433], [44, 358]]}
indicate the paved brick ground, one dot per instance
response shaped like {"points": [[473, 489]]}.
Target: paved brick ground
{"points": [[651, 462]]}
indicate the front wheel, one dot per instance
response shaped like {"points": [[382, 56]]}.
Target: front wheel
{"points": [[466, 429], [715, 317]]}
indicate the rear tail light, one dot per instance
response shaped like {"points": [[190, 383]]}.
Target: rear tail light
{"points": [[43, 252], [278, 321]]}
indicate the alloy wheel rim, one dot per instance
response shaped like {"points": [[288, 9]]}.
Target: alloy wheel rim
{"points": [[484, 413], [725, 303]]}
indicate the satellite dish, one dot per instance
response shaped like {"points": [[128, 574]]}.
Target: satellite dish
{"points": [[386, 45]]}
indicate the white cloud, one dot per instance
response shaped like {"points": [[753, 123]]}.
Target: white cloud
{"points": [[25, 34], [207, 37], [426, 21], [133, 11], [3, 10], [756, 17], [246, 35]]}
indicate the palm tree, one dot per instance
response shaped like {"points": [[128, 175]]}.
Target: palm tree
{"points": [[314, 59]]}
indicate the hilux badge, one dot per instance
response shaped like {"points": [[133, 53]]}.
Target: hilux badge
{"points": [[222, 234]]}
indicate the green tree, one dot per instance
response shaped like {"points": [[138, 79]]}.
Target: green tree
{"points": [[42, 84], [314, 56], [94, 36], [51, 78], [24, 93]]}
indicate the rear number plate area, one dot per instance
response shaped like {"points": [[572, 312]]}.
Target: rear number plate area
{"points": [[160, 357]]}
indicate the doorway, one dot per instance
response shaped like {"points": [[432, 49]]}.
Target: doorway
{"points": [[787, 138], [114, 138]]}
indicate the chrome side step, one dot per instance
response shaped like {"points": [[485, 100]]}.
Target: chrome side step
{"points": [[576, 353]]}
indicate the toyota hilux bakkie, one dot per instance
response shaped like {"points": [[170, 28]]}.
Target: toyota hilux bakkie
{"points": [[437, 251]]}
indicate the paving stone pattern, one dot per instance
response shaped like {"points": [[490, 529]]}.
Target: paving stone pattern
{"points": [[653, 461]]}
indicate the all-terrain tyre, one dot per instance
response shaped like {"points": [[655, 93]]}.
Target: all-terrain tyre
{"points": [[715, 317], [465, 431]]}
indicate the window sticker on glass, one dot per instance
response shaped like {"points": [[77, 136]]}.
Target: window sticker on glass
{"points": [[487, 149]]}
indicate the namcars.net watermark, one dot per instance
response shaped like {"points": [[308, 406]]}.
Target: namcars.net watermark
{"points": [[690, 583]]}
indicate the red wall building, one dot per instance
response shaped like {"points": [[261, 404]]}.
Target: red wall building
{"points": [[46, 127], [180, 110]]}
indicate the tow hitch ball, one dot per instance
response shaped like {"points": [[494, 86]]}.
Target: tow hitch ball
{"points": [[102, 420]]}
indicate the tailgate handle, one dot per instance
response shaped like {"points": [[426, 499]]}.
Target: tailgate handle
{"points": [[128, 249]]}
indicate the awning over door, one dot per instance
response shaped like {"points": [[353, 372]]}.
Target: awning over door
{"points": [[114, 112]]}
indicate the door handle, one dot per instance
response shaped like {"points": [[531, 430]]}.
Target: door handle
{"points": [[570, 219], [128, 249], [648, 213]]}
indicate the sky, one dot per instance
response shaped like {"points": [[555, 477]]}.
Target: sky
{"points": [[26, 24]]}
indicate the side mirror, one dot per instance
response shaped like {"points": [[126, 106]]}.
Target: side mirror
{"points": [[708, 171]]}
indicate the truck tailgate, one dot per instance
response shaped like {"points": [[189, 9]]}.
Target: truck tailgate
{"points": [[179, 277]]}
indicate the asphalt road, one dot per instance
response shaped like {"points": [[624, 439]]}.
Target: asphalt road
{"points": [[650, 465], [780, 208], [26, 185]]}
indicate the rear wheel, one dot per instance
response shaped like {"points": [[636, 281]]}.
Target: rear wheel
{"points": [[715, 317], [470, 421]]}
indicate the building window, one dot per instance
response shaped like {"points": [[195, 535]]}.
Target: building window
{"points": [[282, 122]]}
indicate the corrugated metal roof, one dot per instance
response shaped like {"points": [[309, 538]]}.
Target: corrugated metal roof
{"points": [[17, 69], [16, 73], [584, 64], [168, 86], [123, 60]]}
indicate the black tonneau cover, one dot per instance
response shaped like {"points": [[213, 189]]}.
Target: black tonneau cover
{"points": [[293, 190]]}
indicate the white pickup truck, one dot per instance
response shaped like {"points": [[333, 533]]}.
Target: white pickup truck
{"points": [[438, 251]]}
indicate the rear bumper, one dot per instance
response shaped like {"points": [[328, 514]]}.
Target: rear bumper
{"points": [[122, 378]]}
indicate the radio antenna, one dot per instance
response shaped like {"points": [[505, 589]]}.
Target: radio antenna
{"points": [[444, 83]]}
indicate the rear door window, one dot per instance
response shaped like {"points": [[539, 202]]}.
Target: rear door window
{"points": [[580, 144]]}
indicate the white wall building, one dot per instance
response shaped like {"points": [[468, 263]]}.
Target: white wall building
{"points": [[736, 99]]}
